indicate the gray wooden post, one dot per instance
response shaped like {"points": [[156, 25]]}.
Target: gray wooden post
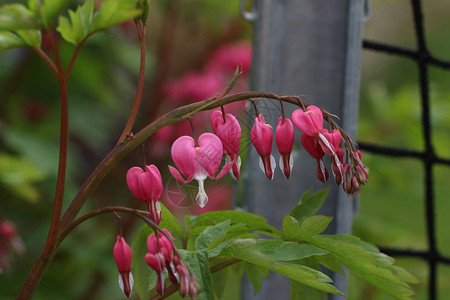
{"points": [[313, 48]]}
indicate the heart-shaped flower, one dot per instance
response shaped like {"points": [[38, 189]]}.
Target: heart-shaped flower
{"points": [[284, 137], [262, 138], [122, 256], [198, 161], [310, 122], [228, 130]]}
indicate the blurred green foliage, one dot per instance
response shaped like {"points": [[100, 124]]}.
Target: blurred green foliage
{"points": [[392, 205]]}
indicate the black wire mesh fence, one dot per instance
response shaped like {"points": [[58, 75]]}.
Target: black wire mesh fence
{"points": [[423, 59]]}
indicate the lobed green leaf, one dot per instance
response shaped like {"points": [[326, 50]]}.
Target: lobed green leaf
{"points": [[360, 262], [313, 225], [211, 233], [308, 205], [113, 12], [282, 250], [9, 40], [78, 26], [17, 16]]}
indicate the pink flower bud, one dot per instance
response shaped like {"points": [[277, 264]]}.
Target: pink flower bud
{"points": [[198, 162], [156, 262], [160, 283], [284, 138], [261, 136], [160, 245], [309, 122], [122, 256], [322, 172], [312, 146], [229, 131], [145, 185]]}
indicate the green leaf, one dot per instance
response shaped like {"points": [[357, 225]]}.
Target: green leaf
{"points": [[171, 223], [50, 9], [198, 263], [17, 16], [405, 276], [329, 262], [9, 40], [282, 250], [220, 279], [78, 27], [291, 228], [253, 273], [252, 221], [309, 205], [114, 12], [31, 37], [360, 262], [299, 291], [210, 234], [141, 272], [313, 225], [243, 249]]}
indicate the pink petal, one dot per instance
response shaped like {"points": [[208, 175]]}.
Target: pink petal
{"points": [[210, 155], [229, 131], [226, 168], [312, 146], [178, 176], [134, 183], [152, 185], [284, 135], [184, 156], [309, 122], [261, 136]]}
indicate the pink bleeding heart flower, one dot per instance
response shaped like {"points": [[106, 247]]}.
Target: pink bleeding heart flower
{"points": [[312, 146], [310, 121], [147, 186], [284, 138], [198, 161], [261, 136], [122, 256], [228, 130]]}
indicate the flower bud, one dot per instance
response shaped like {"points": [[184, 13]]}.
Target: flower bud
{"points": [[284, 138], [261, 136], [228, 130], [122, 256]]}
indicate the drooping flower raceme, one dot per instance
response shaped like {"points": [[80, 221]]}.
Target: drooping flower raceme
{"points": [[147, 186], [122, 256], [198, 161], [228, 130], [284, 138], [261, 136]]}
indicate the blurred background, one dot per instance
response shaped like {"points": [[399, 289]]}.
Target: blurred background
{"points": [[193, 49]]}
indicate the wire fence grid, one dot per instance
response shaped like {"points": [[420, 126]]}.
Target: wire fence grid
{"points": [[423, 58]]}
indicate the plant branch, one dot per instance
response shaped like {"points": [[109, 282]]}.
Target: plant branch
{"points": [[47, 59], [74, 57], [174, 287], [107, 209], [141, 29]]}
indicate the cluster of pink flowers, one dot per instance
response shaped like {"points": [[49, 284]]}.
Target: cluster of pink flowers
{"points": [[10, 242], [319, 142], [161, 257], [200, 158]]}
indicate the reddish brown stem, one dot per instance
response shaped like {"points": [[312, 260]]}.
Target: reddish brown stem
{"points": [[74, 57], [41, 264], [47, 60], [141, 29]]}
